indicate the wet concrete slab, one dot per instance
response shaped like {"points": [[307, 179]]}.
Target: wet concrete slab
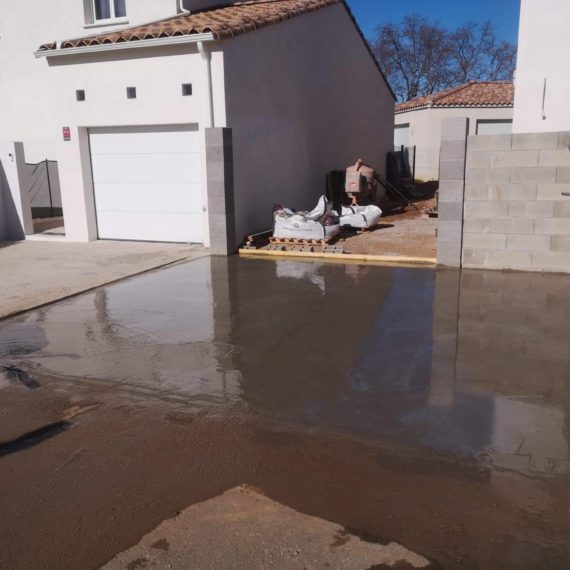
{"points": [[426, 408], [242, 529]]}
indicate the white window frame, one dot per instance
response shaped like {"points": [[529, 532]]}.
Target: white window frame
{"points": [[93, 22]]}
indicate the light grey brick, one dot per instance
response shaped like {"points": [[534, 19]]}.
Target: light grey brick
{"points": [[531, 209], [452, 150], [561, 209], [450, 211], [509, 259], [540, 175], [486, 209], [500, 192], [449, 233], [514, 158], [563, 174], [560, 157], [490, 142], [473, 257], [551, 261], [454, 128], [477, 225], [512, 225], [488, 175], [563, 139], [560, 243], [535, 141], [552, 226], [451, 169], [485, 241], [451, 190], [528, 242], [552, 191], [479, 159]]}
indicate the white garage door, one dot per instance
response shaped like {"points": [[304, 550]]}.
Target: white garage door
{"points": [[147, 183]]}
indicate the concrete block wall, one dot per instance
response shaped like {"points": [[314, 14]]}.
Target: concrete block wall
{"points": [[515, 215]]}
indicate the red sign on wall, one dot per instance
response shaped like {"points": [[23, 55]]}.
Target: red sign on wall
{"points": [[66, 134]]}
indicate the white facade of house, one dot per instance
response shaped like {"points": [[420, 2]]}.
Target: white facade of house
{"points": [[542, 84], [281, 89], [422, 128]]}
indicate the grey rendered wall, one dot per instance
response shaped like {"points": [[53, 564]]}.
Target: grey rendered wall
{"points": [[302, 98], [515, 216]]}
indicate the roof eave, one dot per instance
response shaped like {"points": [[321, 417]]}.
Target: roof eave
{"points": [[478, 106], [157, 42]]}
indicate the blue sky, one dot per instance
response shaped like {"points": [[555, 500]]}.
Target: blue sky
{"points": [[504, 14]]}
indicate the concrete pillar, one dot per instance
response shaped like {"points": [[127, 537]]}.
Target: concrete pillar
{"points": [[452, 161], [220, 183], [15, 209]]}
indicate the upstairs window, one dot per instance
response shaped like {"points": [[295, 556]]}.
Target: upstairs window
{"points": [[109, 10]]}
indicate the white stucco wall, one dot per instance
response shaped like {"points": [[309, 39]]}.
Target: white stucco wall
{"points": [[303, 97], [26, 89], [157, 74], [543, 54], [425, 131]]}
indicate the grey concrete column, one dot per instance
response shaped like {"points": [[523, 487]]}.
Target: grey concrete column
{"points": [[220, 181], [452, 161]]}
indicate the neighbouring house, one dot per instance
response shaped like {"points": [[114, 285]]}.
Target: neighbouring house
{"points": [[542, 84], [191, 127], [488, 105]]}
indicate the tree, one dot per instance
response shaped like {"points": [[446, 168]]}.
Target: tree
{"points": [[420, 57]]}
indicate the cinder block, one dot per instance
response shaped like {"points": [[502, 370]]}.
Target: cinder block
{"points": [[563, 139], [473, 257], [490, 142], [514, 158], [561, 209], [560, 157], [450, 211], [449, 233], [488, 175], [477, 225], [485, 241], [453, 129], [483, 209], [479, 159], [552, 191], [451, 170], [563, 174], [512, 225], [532, 209], [560, 243], [452, 150], [500, 192], [535, 141], [448, 256], [451, 190], [552, 226], [540, 175], [558, 261], [528, 242], [509, 259]]}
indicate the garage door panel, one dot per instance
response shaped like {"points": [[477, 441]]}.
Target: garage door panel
{"points": [[147, 183], [146, 169], [174, 198], [150, 226], [135, 140]]}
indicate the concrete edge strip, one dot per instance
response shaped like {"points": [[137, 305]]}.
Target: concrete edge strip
{"points": [[406, 260], [104, 284]]}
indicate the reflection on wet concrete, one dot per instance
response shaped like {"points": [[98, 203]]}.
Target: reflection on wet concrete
{"points": [[466, 371]]}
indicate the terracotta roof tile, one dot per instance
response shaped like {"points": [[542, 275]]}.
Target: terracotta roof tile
{"points": [[472, 94], [223, 22]]}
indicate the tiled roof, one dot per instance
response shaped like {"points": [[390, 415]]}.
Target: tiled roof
{"points": [[222, 22], [472, 94]]}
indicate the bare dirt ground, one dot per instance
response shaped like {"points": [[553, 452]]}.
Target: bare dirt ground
{"points": [[44, 224], [409, 233]]}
